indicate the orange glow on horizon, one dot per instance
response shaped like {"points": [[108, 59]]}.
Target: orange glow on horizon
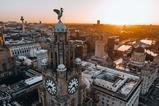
{"points": [[118, 12], [129, 12]]}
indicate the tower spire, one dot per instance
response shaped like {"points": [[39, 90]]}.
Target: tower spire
{"points": [[22, 19]]}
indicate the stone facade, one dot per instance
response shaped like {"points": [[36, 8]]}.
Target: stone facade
{"points": [[62, 82]]}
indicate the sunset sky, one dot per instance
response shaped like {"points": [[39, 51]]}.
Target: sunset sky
{"points": [[82, 11]]}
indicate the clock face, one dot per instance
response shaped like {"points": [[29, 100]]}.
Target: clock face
{"points": [[73, 85], [51, 86]]}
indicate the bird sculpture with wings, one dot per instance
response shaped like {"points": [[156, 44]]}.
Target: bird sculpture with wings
{"points": [[59, 13]]}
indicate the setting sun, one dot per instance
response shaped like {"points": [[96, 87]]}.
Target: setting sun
{"points": [[127, 11]]}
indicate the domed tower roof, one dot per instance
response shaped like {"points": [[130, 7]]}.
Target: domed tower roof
{"points": [[60, 27], [61, 67], [139, 49], [78, 61], [138, 57]]}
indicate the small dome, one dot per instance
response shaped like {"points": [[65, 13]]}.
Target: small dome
{"points": [[78, 61], [139, 49], [44, 62], [60, 27], [61, 67]]}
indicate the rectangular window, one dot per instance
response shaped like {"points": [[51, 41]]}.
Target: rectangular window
{"points": [[73, 102]]}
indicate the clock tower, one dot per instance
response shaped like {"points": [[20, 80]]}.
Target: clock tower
{"points": [[62, 82]]}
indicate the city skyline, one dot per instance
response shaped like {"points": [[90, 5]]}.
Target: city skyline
{"points": [[108, 11], [87, 63]]}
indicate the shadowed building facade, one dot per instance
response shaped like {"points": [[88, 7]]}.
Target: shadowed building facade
{"points": [[6, 61], [147, 70], [62, 83]]}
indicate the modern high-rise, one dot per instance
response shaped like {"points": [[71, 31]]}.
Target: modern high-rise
{"points": [[111, 45], [100, 48]]}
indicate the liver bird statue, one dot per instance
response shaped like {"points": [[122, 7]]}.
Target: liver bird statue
{"points": [[59, 13]]}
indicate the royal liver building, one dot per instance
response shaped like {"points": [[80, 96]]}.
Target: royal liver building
{"points": [[62, 83]]}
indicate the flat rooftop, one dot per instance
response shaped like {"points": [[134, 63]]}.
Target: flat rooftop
{"points": [[147, 41], [8, 90], [110, 81], [124, 48]]}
